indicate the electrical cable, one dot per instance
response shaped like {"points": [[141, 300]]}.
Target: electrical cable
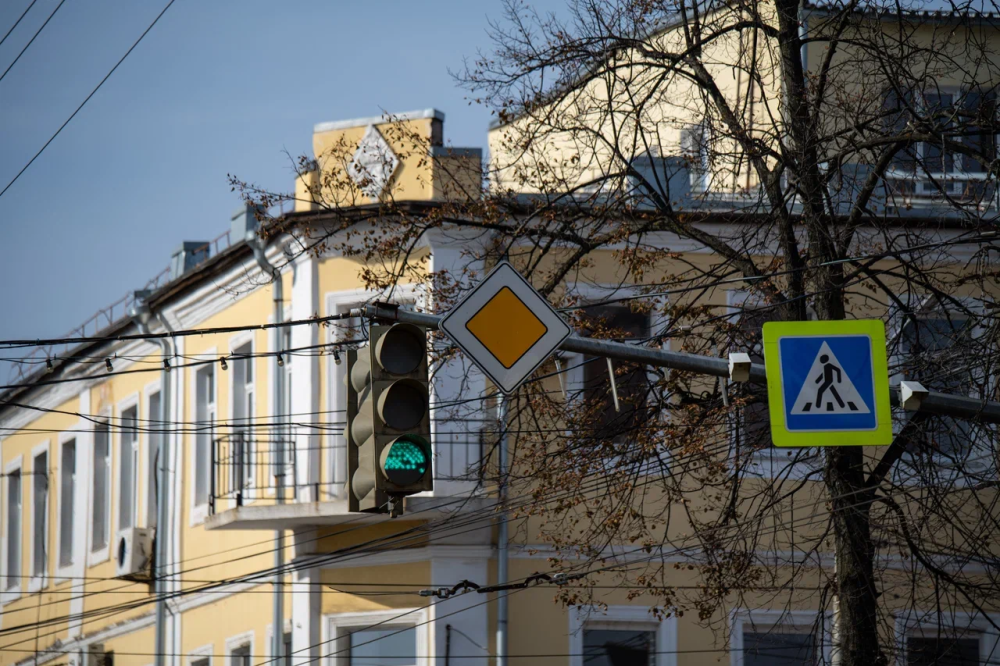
{"points": [[87, 99], [30, 41], [18, 21]]}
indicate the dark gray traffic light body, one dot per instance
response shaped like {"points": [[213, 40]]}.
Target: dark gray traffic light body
{"points": [[388, 417]]}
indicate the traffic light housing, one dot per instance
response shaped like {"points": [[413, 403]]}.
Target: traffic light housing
{"points": [[388, 418]]}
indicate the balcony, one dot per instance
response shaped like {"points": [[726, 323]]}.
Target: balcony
{"points": [[250, 488]]}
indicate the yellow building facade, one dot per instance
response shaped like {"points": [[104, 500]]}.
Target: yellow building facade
{"points": [[253, 400]]}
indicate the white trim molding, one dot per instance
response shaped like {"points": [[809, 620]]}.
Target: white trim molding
{"points": [[378, 120], [118, 438], [780, 620], [625, 617], [964, 624], [37, 583], [336, 646], [198, 512], [199, 653], [8, 592]]}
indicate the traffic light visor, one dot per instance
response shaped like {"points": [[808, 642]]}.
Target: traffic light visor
{"points": [[401, 350]]}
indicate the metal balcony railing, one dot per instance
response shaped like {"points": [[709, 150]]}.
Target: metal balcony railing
{"points": [[247, 469]]}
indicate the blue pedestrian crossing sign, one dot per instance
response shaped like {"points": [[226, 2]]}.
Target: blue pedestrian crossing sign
{"points": [[827, 383]]}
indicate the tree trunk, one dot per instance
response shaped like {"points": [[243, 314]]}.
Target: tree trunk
{"points": [[855, 552]]}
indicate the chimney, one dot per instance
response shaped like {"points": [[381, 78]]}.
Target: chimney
{"points": [[187, 256], [244, 224]]}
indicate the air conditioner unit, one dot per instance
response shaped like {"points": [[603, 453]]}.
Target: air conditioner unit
{"points": [[134, 554]]}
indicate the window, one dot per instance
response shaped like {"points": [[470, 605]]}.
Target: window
{"points": [[205, 416], [627, 635], [942, 650], [696, 147], [240, 656], [932, 345], [201, 661], [781, 638], [617, 322], [753, 429], [388, 646], [128, 456], [67, 492], [13, 530], [40, 513], [619, 647], [954, 115], [780, 647], [285, 429], [287, 649], [101, 492], [157, 423], [243, 414]]}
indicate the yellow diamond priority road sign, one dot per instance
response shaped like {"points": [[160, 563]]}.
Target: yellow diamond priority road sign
{"points": [[505, 327]]}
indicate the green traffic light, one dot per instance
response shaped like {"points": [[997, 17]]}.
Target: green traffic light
{"points": [[405, 461]]}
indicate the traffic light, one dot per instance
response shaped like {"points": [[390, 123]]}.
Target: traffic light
{"points": [[388, 419]]}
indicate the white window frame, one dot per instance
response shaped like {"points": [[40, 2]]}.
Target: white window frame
{"points": [[104, 554], [147, 505], [923, 179], [13, 592], [741, 619], [767, 464], [572, 362], [117, 504], [337, 650], [239, 340], [199, 512], [238, 641], [64, 571], [700, 167], [634, 618], [981, 450], [36, 583], [929, 621], [269, 639], [203, 652]]}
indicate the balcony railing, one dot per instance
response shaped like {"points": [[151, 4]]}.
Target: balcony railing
{"points": [[247, 469]]}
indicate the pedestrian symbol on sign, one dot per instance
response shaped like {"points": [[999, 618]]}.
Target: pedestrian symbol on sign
{"points": [[828, 383]]}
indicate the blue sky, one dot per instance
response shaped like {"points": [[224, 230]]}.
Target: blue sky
{"points": [[217, 87]]}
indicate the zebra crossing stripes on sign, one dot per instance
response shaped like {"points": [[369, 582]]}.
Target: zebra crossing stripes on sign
{"points": [[827, 383]]}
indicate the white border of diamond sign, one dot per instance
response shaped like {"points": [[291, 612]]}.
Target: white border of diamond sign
{"points": [[454, 325]]}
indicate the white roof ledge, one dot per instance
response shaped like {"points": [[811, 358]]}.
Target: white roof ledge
{"points": [[379, 120]]}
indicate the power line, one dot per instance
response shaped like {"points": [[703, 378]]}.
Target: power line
{"points": [[25, 13], [87, 99], [30, 41]]}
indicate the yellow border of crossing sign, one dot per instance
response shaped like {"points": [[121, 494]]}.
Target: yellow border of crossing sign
{"points": [[808, 361], [505, 327]]}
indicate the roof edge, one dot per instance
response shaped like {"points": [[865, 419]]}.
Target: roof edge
{"points": [[378, 120]]}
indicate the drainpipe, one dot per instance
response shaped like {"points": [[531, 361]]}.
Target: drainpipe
{"points": [[140, 314], [259, 246]]}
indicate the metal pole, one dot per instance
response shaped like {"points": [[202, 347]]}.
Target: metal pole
{"points": [[935, 402], [502, 535]]}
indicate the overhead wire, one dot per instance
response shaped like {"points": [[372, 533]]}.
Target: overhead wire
{"points": [[30, 41], [18, 21], [87, 98]]}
